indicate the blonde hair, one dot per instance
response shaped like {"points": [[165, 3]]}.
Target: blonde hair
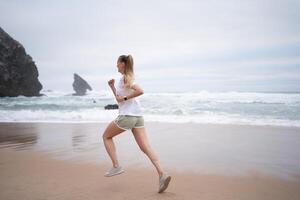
{"points": [[128, 72]]}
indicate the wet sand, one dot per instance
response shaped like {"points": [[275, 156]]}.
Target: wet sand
{"points": [[67, 161]]}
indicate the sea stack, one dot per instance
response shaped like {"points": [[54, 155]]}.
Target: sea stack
{"points": [[18, 72], [80, 86]]}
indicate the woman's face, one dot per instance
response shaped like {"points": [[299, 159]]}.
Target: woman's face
{"points": [[121, 67]]}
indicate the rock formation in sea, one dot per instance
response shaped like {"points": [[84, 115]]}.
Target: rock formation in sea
{"points": [[111, 106], [80, 86], [18, 72]]}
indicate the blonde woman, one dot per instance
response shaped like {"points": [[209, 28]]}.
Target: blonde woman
{"points": [[130, 118]]}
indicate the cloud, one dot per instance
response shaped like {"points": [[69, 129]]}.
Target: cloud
{"points": [[196, 38]]}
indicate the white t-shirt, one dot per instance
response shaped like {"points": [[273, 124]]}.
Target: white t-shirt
{"points": [[130, 106]]}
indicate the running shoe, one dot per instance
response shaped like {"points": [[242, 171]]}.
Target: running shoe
{"points": [[114, 171], [164, 181]]}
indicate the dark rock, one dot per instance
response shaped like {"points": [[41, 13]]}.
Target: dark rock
{"points": [[18, 72], [80, 85], [111, 106]]}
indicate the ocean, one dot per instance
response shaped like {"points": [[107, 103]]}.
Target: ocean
{"points": [[252, 108]]}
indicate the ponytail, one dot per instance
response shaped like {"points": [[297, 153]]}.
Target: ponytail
{"points": [[129, 62], [129, 72]]}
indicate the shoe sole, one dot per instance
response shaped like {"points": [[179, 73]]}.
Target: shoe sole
{"points": [[164, 187], [109, 175]]}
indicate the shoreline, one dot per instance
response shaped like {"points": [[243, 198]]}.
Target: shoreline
{"points": [[150, 122]]}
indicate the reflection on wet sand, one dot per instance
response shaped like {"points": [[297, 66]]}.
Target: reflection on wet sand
{"points": [[18, 137], [50, 137]]}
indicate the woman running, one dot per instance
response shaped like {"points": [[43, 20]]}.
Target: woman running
{"points": [[130, 118]]}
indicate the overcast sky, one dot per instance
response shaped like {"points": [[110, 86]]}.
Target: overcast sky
{"points": [[232, 45]]}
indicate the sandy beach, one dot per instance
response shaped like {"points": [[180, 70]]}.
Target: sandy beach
{"points": [[67, 161]]}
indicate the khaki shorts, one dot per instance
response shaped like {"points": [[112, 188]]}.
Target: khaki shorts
{"points": [[127, 122]]}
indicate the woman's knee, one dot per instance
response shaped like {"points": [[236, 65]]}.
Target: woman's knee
{"points": [[111, 131], [104, 137]]}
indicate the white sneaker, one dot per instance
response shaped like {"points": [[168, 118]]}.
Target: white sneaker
{"points": [[114, 171], [164, 181]]}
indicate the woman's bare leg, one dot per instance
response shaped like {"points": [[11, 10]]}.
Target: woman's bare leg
{"points": [[111, 130], [142, 140]]}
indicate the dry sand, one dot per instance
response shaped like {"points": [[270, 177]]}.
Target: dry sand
{"points": [[33, 175]]}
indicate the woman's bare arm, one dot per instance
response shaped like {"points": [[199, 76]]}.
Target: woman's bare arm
{"points": [[137, 91], [114, 90], [111, 84]]}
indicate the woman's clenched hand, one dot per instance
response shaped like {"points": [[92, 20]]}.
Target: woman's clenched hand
{"points": [[111, 82]]}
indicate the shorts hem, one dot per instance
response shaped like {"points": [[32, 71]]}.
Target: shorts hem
{"points": [[120, 126], [139, 127]]}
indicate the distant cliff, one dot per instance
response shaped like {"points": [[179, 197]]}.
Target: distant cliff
{"points": [[80, 86], [18, 72]]}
